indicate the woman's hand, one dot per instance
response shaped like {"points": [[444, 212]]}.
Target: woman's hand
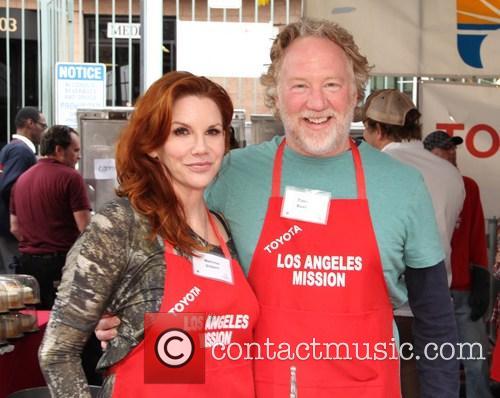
{"points": [[107, 329]]}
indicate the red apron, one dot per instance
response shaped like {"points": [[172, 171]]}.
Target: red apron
{"points": [[323, 282], [223, 378]]}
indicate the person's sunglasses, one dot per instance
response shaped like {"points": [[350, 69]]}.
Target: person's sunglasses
{"points": [[42, 125]]}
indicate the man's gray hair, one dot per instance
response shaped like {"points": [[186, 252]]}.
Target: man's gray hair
{"points": [[315, 28]]}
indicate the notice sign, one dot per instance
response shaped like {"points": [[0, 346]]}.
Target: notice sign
{"points": [[78, 86]]}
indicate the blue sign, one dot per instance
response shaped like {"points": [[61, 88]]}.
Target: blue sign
{"points": [[73, 71]]}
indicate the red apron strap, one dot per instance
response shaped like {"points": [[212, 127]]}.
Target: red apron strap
{"points": [[168, 247], [276, 185], [358, 168], [221, 240]]}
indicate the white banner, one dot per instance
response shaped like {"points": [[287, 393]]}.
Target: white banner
{"points": [[470, 112], [224, 49], [420, 37]]}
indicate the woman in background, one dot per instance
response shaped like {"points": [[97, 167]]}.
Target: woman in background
{"points": [[137, 254]]}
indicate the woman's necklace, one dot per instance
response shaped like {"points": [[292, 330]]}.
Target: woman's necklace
{"points": [[203, 234]]}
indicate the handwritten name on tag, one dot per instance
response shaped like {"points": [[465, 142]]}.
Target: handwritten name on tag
{"points": [[211, 266], [306, 205]]}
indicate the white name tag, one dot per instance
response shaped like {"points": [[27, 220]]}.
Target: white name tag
{"points": [[306, 205], [211, 266]]}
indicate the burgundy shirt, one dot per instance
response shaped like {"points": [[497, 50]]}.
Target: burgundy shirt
{"points": [[44, 199]]}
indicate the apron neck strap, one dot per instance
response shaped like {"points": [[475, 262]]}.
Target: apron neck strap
{"points": [[278, 161], [225, 250], [358, 168], [221, 240], [168, 247]]}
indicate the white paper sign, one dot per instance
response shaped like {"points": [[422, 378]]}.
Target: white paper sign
{"points": [[104, 169], [224, 3], [121, 30], [224, 49]]}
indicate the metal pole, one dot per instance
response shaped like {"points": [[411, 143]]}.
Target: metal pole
{"points": [[46, 47], [130, 55], [151, 42], [54, 23], [63, 31], [80, 30], [23, 57], [97, 31], [240, 80], [70, 10], [113, 56], [7, 68], [39, 52], [256, 19], [224, 19], [415, 95]]}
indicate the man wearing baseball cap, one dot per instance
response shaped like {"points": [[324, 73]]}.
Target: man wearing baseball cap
{"points": [[392, 125], [469, 267], [440, 143]]}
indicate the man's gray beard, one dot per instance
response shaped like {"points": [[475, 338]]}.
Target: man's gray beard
{"points": [[320, 145]]}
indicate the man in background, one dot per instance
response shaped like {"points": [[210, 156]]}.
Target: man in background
{"points": [[49, 209], [392, 125], [15, 158], [470, 285]]}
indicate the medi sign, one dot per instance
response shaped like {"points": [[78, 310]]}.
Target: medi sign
{"points": [[78, 85], [471, 112]]}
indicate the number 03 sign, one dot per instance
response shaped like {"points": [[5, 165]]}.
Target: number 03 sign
{"points": [[8, 24]]}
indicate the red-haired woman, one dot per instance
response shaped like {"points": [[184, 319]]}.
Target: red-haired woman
{"points": [[157, 249]]}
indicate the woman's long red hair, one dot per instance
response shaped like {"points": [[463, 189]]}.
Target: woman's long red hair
{"points": [[141, 178]]}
